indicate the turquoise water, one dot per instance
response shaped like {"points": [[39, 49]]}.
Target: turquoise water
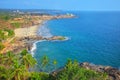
{"points": [[93, 37]]}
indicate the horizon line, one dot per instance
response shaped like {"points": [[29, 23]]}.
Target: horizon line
{"points": [[51, 9]]}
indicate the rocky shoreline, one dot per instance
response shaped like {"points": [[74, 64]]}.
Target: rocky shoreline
{"points": [[28, 41], [113, 73], [28, 38]]}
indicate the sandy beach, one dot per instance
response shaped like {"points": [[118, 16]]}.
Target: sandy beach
{"points": [[24, 32], [31, 30], [27, 31]]}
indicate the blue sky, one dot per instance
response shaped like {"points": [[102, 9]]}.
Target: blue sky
{"points": [[62, 4]]}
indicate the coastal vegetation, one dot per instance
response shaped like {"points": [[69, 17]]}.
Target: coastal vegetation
{"points": [[17, 67], [6, 33], [16, 24], [72, 71], [1, 46], [61, 38]]}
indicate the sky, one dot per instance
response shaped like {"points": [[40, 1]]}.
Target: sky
{"points": [[83, 5]]}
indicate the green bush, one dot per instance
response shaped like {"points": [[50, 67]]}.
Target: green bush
{"points": [[1, 46], [39, 76], [10, 32], [16, 24], [3, 36]]}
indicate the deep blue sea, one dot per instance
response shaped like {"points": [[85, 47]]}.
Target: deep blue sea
{"points": [[93, 37]]}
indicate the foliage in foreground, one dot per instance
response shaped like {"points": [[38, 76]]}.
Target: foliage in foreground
{"points": [[16, 67], [73, 71]]}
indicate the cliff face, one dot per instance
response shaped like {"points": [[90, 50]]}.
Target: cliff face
{"points": [[114, 74]]}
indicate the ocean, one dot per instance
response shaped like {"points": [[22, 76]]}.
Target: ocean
{"points": [[93, 36]]}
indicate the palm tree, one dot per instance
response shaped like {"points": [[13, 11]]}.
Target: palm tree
{"points": [[2, 72], [5, 66], [55, 63], [10, 57], [44, 62], [35, 76], [1, 58], [18, 71], [27, 59], [5, 73]]}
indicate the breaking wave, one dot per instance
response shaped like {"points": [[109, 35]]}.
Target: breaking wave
{"points": [[44, 31]]}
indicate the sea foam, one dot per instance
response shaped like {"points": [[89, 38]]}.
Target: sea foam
{"points": [[34, 47], [44, 31]]}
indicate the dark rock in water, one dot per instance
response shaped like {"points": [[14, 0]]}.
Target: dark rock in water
{"points": [[56, 38]]}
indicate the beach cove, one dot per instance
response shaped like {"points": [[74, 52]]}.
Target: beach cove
{"points": [[26, 36], [88, 41]]}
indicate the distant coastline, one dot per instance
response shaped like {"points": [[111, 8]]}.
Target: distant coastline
{"points": [[28, 35], [32, 30]]}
